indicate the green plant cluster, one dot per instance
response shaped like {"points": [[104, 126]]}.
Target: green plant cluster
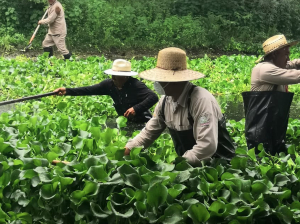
{"points": [[100, 184], [146, 25]]}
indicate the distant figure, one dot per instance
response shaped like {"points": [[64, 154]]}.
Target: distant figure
{"points": [[191, 113], [268, 104], [132, 98], [57, 31]]}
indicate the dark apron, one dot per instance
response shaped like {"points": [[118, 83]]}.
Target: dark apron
{"points": [[184, 140], [267, 115]]}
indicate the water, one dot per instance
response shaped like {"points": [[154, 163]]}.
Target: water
{"points": [[7, 108], [234, 107]]}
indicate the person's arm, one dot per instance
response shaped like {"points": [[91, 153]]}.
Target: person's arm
{"points": [[51, 17], [279, 76], [153, 129], [148, 96], [294, 64], [99, 89], [205, 131]]}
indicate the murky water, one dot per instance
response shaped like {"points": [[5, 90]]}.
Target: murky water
{"points": [[7, 108], [234, 109]]}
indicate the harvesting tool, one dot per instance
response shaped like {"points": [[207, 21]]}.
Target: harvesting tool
{"points": [[28, 98], [33, 36]]}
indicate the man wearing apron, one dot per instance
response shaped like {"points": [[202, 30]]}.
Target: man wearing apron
{"points": [[191, 113], [268, 104]]}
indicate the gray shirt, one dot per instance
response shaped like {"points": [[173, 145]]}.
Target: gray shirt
{"points": [[206, 113], [265, 75]]}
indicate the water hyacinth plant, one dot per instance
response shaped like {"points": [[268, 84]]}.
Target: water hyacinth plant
{"points": [[101, 185]]}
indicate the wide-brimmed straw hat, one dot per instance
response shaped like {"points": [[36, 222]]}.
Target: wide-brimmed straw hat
{"points": [[171, 66], [121, 67], [275, 43]]}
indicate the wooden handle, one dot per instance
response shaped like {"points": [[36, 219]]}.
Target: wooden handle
{"points": [[54, 162]]}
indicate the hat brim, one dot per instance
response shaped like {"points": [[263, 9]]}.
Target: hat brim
{"points": [[293, 43], [162, 75], [112, 72]]}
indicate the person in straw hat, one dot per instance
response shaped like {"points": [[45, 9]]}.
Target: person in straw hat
{"points": [[191, 113], [267, 105], [132, 98]]}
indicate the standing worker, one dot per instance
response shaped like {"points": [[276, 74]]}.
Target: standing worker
{"points": [[191, 113], [268, 104], [57, 31]]}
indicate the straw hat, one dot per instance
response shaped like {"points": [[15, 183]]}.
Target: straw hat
{"points": [[275, 43], [171, 66], [121, 67]]}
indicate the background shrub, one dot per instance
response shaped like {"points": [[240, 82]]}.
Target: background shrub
{"points": [[232, 25]]}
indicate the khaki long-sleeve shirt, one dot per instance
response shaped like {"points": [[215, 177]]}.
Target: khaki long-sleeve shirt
{"points": [[206, 113], [265, 75], [57, 23]]}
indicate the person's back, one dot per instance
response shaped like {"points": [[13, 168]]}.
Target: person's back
{"points": [[58, 26]]}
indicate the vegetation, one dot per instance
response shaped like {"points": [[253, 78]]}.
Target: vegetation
{"points": [[104, 25], [100, 185]]}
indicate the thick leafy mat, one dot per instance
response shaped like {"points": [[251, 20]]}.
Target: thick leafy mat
{"points": [[100, 185]]}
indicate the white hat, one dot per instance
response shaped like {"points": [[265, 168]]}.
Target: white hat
{"points": [[121, 67], [171, 66]]}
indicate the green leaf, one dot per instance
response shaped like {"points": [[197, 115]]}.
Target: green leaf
{"points": [[51, 156], [281, 180], [173, 214], [244, 213], [217, 208], [121, 121], [3, 215], [182, 176], [141, 208], [47, 191], [189, 202], [125, 215], [98, 211], [77, 197], [78, 142], [259, 187], [198, 213], [62, 105], [91, 188], [251, 154], [98, 172], [285, 214], [157, 195], [176, 190]]}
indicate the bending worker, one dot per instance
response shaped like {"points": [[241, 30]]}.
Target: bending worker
{"points": [[191, 113], [268, 104], [57, 31], [132, 98]]}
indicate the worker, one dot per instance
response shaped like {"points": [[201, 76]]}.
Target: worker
{"points": [[132, 98], [191, 113], [268, 103], [57, 30]]}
